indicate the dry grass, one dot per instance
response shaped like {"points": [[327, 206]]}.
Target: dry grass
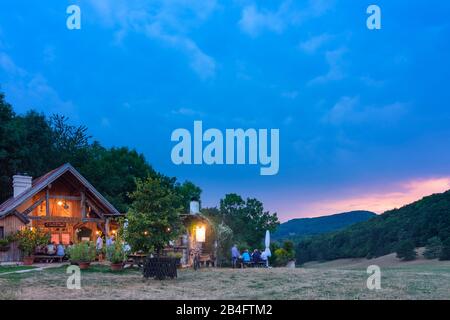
{"points": [[427, 281]]}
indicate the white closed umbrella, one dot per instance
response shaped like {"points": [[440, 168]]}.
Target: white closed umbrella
{"points": [[267, 243]]}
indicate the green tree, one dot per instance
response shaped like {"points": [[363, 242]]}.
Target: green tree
{"points": [[153, 217], [445, 252], [406, 250], [433, 248], [188, 192], [9, 141], [247, 219], [113, 172]]}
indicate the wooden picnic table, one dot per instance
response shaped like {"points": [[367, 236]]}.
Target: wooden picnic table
{"points": [[137, 259], [48, 258]]}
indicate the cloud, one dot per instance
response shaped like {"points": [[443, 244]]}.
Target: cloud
{"points": [[335, 72], [167, 21], [350, 110], [290, 94], [105, 122], [387, 199], [255, 20], [8, 65], [187, 112], [312, 45], [201, 63], [31, 90]]}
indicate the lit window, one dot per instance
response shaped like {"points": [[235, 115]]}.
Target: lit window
{"points": [[200, 233]]}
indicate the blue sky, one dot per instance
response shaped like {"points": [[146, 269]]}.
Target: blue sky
{"points": [[363, 115]]}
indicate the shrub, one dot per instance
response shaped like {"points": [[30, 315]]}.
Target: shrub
{"points": [[29, 238], [281, 257], [445, 252], [4, 242], [115, 253], [406, 250], [82, 252], [177, 255], [433, 248]]}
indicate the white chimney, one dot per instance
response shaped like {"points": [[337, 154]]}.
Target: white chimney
{"points": [[21, 184], [194, 207]]}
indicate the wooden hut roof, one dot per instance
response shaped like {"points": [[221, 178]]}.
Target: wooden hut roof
{"points": [[42, 182]]}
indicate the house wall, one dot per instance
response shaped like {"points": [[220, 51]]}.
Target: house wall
{"points": [[11, 225]]}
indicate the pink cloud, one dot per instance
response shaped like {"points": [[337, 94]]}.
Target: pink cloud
{"points": [[391, 197]]}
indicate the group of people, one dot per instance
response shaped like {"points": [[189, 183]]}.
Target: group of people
{"points": [[99, 243], [53, 249], [256, 257]]}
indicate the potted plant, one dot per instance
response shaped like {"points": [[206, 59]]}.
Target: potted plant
{"points": [[116, 255], [82, 254], [28, 239], [177, 256], [5, 244]]}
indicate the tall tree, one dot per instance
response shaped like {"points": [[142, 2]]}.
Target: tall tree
{"points": [[153, 218], [113, 172], [247, 219], [188, 191], [8, 146]]}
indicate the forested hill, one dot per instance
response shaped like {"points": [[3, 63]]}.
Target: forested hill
{"points": [[416, 222], [298, 228]]}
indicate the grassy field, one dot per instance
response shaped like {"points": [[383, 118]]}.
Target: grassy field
{"points": [[407, 281], [5, 269]]}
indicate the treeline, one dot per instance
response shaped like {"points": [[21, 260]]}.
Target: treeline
{"points": [[35, 144], [417, 224]]}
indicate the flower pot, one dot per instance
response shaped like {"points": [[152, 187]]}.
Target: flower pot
{"points": [[28, 261], [291, 264], [116, 266], [84, 265]]}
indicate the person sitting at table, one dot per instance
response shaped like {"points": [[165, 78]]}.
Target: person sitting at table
{"points": [[256, 256], [50, 249], [60, 250], [265, 258], [246, 257]]}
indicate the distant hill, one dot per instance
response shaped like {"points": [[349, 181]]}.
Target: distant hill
{"points": [[379, 236], [298, 228]]}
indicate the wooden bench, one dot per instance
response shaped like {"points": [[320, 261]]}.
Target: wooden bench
{"points": [[47, 258], [207, 260]]}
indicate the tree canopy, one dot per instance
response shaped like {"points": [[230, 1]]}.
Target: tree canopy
{"points": [[154, 215], [247, 218]]}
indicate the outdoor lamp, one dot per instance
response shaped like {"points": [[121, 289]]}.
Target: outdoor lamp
{"points": [[200, 233]]}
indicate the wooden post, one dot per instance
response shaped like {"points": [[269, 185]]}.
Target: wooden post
{"points": [[47, 202], [83, 205], [107, 227]]}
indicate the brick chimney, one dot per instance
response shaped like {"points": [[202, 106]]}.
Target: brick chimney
{"points": [[21, 183], [194, 207]]}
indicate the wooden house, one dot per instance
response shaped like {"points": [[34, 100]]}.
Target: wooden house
{"points": [[62, 203]]}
